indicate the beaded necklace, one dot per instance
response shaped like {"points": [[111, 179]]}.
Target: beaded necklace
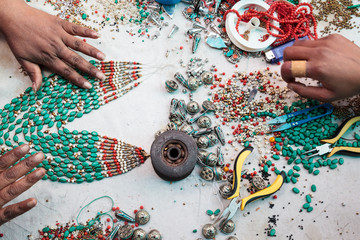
{"points": [[38, 119]]}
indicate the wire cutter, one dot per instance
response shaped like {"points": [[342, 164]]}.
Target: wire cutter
{"points": [[283, 119], [329, 147], [236, 202]]}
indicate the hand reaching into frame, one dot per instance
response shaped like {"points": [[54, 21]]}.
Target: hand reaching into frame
{"points": [[13, 181], [40, 39], [333, 60]]}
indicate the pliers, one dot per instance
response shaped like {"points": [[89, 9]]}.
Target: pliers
{"points": [[329, 147], [236, 202], [285, 125]]}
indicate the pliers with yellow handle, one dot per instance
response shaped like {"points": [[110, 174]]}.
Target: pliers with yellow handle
{"points": [[329, 147], [237, 203]]}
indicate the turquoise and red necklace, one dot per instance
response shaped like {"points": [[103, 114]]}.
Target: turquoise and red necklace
{"points": [[38, 119]]}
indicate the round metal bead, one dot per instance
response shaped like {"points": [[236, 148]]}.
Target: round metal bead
{"points": [[139, 234], [142, 217], [209, 231], [154, 235], [192, 107], [258, 182], [187, 128], [207, 158], [203, 142], [171, 85], [225, 190], [125, 231], [207, 78], [213, 140], [204, 122], [193, 83], [227, 227], [232, 238], [219, 172], [207, 173]]}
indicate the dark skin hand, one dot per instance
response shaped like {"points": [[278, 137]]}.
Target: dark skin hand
{"points": [[333, 60], [39, 39], [13, 181]]}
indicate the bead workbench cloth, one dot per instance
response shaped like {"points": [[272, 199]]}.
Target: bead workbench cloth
{"points": [[38, 119]]}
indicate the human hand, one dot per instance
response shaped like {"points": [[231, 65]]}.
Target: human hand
{"points": [[10, 184], [333, 60], [40, 39]]}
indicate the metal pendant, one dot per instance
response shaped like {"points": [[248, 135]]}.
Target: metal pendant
{"points": [[171, 86], [225, 190], [207, 158], [219, 173], [192, 107], [180, 78], [220, 134], [209, 231], [154, 235], [227, 227], [125, 232], [193, 83], [121, 215], [207, 173], [221, 161], [202, 131], [204, 122], [196, 42], [142, 217], [207, 78], [139, 234], [174, 29], [203, 142], [258, 182]]}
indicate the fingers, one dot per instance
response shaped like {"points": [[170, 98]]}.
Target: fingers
{"points": [[81, 64], [34, 72], [319, 93], [14, 210], [286, 73], [15, 189], [77, 30], [81, 46], [10, 175], [11, 157], [297, 53], [70, 74]]}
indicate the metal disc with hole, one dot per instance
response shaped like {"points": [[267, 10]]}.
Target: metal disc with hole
{"points": [[173, 155]]}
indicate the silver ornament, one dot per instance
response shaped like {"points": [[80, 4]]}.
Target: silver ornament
{"points": [[125, 232], [225, 190], [207, 78], [171, 86], [153, 235], [192, 107], [139, 234], [219, 172], [193, 83], [187, 128], [209, 231], [203, 142], [204, 122], [207, 173], [213, 140], [232, 238], [258, 182], [142, 217], [207, 158], [227, 227]]}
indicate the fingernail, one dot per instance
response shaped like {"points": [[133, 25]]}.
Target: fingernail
{"points": [[87, 85], [34, 87], [31, 203], [38, 157], [100, 75], [39, 173], [24, 148], [96, 34], [100, 56]]}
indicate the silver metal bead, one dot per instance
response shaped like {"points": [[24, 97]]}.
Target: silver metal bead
{"points": [[203, 142], [192, 107], [153, 235], [258, 182], [187, 128], [225, 190], [207, 78], [232, 238], [219, 173], [171, 86], [227, 227], [125, 232], [139, 234], [193, 83], [207, 158], [207, 173], [142, 217], [209, 231], [204, 122]]}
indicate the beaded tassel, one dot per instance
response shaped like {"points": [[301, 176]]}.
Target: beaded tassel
{"points": [[72, 156]]}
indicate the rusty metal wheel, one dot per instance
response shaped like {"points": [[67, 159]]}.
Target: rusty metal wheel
{"points": [[173, 155]]}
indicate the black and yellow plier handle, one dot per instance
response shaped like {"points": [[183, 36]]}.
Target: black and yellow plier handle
{"points": [[236, 203], [328, 146]]}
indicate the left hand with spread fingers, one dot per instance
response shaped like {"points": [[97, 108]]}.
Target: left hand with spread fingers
{"points": [[332, 60], [14, 181]]}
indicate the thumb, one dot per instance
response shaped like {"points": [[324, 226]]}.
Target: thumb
{"points": [[319, 93], [34, 72]]}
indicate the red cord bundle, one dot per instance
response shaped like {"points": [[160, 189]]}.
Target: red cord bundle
{"points": [[295, 21]]}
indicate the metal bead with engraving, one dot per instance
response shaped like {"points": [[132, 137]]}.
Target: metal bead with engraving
{"points": [[225, 190], [125, 232], [219, 173], [203, 142], [187, 128], [139, 234], [207, 173], [171, 86], [213, 140], [201, 131], [221, 161], [227, 227], [121, 215], [207, 78], [153, 235], [209, 231], [232, 238], [193, 83], [192, 107], [204, 122], [142, 217], [258, 182], [207, 158], [220, 134]]}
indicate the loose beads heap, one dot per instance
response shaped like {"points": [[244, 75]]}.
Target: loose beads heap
{"points": [[71, 156]]}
